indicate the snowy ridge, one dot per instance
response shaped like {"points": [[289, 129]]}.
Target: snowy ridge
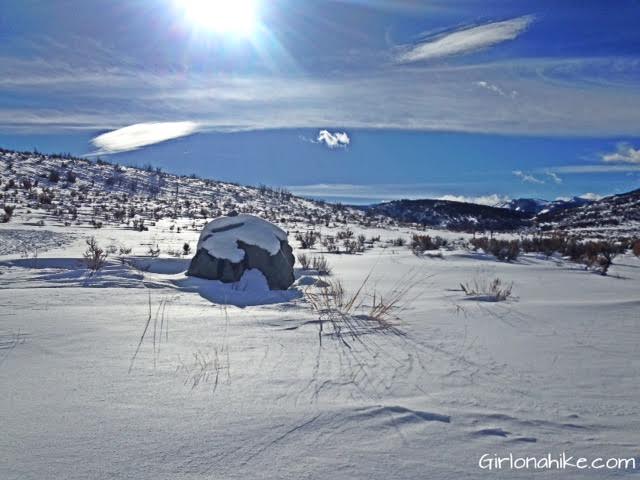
{"points": [[65, 190], [617, 215]]}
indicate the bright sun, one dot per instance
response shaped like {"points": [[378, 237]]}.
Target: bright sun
{"points": [[236, 17]]}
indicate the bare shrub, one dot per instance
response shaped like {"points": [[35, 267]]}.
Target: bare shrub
{"points": [[398, 242], [329, 243], [8, 213], [352, 246], [600, 255], [504, 250], [557, 242], [139, 226], [54, 176], [304, 260], [487, 290], [320, 264], [186, 249], [344, 234], [422, 243], [94, 256], [307, 239]]}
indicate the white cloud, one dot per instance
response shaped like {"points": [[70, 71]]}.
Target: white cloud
{"points": [[389, 191], [553, 176], [591, 196], [333, 140], [490, 200], [466, 40], [140, 135], [625, 153], [526, 177], [496, 89]]}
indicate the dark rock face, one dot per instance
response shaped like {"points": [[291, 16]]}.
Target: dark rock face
{"points": [[277, 269]]}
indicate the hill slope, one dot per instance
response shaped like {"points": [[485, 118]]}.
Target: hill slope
{"points": [[619, 213], [66, 190]]}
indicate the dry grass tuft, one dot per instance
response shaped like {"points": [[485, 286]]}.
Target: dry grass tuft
{"points": [[352, 314], [487, 290]]}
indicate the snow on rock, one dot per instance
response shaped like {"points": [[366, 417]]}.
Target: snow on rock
{"points": [[229, 246], [220, 237]]}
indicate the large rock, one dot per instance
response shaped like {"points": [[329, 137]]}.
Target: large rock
{"points": [[229, 246]]}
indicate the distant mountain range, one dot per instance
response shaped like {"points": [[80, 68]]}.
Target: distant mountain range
{"points": [[617, 213]]}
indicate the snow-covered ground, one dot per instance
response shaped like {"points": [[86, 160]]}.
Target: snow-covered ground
{"points": [[141, 372]]}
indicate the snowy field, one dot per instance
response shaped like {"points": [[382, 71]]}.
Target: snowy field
{"points": [[141, 372]]}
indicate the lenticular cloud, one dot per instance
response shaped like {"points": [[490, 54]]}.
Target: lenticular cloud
{"points": [[140, 135]]}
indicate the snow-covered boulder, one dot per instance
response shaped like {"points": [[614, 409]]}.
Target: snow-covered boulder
{"points": [[229, 246]]}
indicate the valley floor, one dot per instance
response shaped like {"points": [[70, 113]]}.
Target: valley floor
{"points": [[140, 372]]}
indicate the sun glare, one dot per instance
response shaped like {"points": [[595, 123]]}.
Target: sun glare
{"points": [[234, 17]]}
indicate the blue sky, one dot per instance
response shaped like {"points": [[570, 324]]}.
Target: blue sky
{"points": [[350, 100]]}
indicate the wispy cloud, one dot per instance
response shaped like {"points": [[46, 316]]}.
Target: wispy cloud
{"points": [[554, 177], [466, 40], [596, 169], [333, 140], [553, 94], [496, 89], [527, 177], [141, 135], [625, 153]]}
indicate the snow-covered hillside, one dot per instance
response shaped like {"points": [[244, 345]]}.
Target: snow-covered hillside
{"points": [[56, 190]]}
